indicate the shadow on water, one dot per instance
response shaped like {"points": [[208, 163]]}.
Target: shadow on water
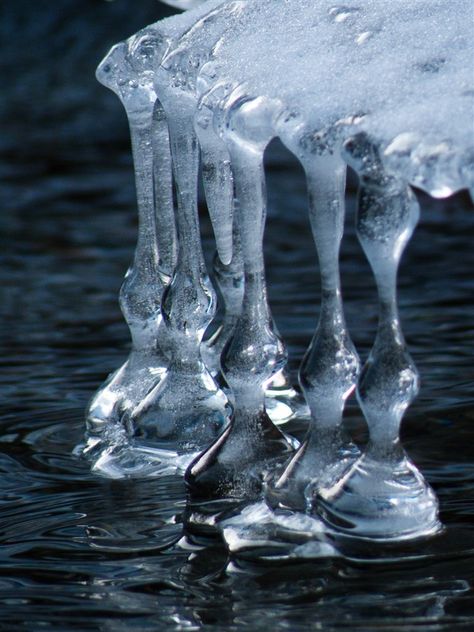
{"points": [[78, 552]]}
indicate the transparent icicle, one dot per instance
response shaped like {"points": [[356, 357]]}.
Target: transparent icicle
{"points": [[383, 496], [329, 370], [219, 190], [235, 462], [127, 70], [282, 401], [187, 409], [192, 65]]}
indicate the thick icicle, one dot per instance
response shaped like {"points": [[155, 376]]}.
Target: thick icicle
{"points": [[127, 70], [282, 401], [329, 370], [383, 496], [190, 63], [187, 409], [219, 190], [234, 463]]}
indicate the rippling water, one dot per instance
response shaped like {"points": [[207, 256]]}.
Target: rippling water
{"points": [[78, 552]]}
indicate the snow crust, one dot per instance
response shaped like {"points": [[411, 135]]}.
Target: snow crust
{"points": [[400, 71]]}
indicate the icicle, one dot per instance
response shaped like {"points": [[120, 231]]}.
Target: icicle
{"points": [[187, 408], [254, 353], [383, 496], [126, 70], [328, 373], [219, 191], [282, 401], [216, 172]]}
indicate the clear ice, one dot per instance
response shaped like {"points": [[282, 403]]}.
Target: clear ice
{"points": [[385, 87], [127, 70]]}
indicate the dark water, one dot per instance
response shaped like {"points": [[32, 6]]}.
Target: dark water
{"points": [[81, 553]]}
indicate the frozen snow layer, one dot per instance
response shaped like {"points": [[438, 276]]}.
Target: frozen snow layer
{"points": [[400, 71]]}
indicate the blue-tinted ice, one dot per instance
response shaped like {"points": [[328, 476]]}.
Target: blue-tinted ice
{"points": [[205, 93]]}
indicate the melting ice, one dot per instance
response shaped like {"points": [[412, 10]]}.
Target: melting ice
{"points": [[385, 87]]}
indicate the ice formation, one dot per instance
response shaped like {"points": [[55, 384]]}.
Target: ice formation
{"points": [[386, 87]]}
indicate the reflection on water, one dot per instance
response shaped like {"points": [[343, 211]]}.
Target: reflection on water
{"points": [[78, 552]]}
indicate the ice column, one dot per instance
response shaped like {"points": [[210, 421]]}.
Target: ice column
{"points": [[128, 71], [187, 407], [281, 398], [234, 463], [329, 370], [219, 190], [383, 496]]}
